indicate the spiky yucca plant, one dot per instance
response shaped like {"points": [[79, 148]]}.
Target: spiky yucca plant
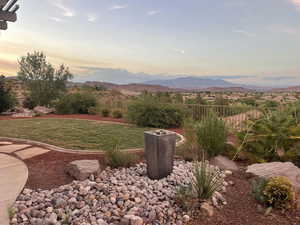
{"points": [[206, 180]]}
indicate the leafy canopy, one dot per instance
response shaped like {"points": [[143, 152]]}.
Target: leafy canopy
{"points": [[44, 82]]}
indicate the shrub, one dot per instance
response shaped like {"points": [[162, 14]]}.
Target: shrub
{"points": [[116, 158], [105, 112], [270, 137], [206, 180], [77, 103], [148, 113], [92, 110], [212, 135], [29, 103], [117, 114], [7, 100], [185, 197], [258, 186], [279, 193], [190, 150]]}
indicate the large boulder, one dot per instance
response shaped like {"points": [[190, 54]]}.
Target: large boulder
{"points": [[273, 169], [83, 169], [224, 163], [43, 110]]}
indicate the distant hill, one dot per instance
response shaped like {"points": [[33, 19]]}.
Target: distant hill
{"points": [[127, 87], [288, 89], [227, 89], [193, 83]]}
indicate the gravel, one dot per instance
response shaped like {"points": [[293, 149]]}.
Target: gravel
{"points": [[123, 196]]}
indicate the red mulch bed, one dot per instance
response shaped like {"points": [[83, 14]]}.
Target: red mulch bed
{"points": [[47, 171]]}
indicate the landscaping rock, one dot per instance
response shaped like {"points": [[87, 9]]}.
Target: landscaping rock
{"points": [[224, 163], [43, 110], [124, 196], [25, 113], [273, 169], [207, 209], [83, 169]]}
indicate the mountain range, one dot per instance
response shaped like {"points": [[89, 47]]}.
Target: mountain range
{"points": [[194, 83]]}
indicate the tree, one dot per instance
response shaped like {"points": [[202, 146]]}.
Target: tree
{"points": [[271, 104], [221, 101], [200, 100], [178, 98], [7, 100], [44, 82]]}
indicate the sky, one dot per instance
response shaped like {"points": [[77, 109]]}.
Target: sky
{"points": [[249, 42]]}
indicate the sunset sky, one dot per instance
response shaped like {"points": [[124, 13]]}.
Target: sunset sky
{"points": [[249, 41]]}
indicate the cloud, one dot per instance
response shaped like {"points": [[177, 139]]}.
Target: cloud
{"points": [[153, 12], [244, 32], [296, 3], [92, 17], [56, 19], [66, 10], [117, 7], [180, 51]]}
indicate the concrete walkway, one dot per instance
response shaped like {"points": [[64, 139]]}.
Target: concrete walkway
{"points": [[13, 173], [13, 177]]}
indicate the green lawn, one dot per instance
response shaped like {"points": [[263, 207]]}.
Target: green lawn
{"points": [[74, 134]]}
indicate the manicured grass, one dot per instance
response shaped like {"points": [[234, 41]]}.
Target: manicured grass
{"points": [[74, 134]]}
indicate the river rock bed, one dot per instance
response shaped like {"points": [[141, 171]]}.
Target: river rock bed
{"points": [[123, 196]]}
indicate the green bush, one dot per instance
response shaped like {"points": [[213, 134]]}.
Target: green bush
{"points": [[190, 150], [207, 180], [271, 137], [117, 114], [77, 103], [279, 193], [29, 103], [212, 135], [116, 158], [258, 187], [105, 112], [7, 99], [275, 192], [185, 197], [148, 113]]}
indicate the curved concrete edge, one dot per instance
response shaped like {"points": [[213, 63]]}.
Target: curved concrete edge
{"points": [[76, 151], [14, 174]]}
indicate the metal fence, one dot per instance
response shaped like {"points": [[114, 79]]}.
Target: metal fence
{"points": [[234, 116]]}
